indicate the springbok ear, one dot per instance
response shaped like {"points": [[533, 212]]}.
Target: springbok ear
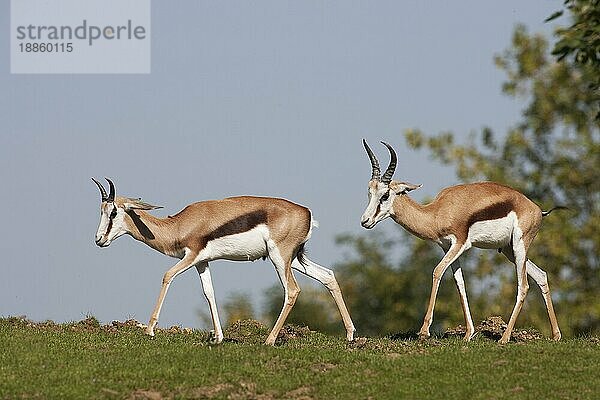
{"points": [[137, 204], [403, 187]]}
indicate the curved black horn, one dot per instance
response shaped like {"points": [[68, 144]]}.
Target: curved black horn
{"points": [[111, 195], [387, 176], [102, 190], [376, 174]]}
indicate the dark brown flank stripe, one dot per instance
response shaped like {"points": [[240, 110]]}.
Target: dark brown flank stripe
{"points": [[495, 211], [241, 224]]}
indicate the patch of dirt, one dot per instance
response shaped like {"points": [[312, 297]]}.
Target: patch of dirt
{"points": [[322, 367], [526, 336], [493, 328], [209, 392], [458, 330], [387, 345], [109, 392], [21, 321], [499, 363], [404, 336], [517, 389], [357, 343], [128, 324], [247, 390], [301, 393], [250, 331], [254, 332], [91, 324], [143, 394], [246, 331], [290, 332]]}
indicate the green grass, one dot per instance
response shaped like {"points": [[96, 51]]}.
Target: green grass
{"points": [[85, 360]]}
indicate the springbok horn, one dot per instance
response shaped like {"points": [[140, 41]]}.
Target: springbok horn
{"points": [[387, 176], [102, 190], [111, 195], [376, 174]]}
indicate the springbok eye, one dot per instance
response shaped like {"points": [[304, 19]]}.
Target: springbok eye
{"points": [[113, 212], [385, 196]]}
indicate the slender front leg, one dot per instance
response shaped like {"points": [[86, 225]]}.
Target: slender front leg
{"points": [[455, 251], [209, 293], [460, 285], [178, 268]]}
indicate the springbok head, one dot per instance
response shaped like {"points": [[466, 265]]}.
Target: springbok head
{"points": [[382, 189], [115, 219]]}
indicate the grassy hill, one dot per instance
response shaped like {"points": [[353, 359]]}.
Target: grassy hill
{"points": [[117, 361]]}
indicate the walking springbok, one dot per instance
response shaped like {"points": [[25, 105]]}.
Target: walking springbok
{"points": [[237, 228], [484, 214]]}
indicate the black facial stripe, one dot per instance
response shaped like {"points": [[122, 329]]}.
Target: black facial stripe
{"points": [[110, 220], [385, 196]]}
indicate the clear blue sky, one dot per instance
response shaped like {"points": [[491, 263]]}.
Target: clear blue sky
{"points": [[264, 97]]}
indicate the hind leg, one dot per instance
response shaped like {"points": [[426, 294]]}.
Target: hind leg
{"points": [[462, 291], [290, 289], [327, 278], [209, 293], [541, 279], [519, 250]]}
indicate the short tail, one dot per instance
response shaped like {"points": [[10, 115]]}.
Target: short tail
{"points": [[544, 213], [300, 255]]}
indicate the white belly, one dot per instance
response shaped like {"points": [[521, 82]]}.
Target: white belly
{"points": [[246, 246], [493, 234]]}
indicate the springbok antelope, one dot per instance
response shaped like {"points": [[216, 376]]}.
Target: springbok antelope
{"points": [[237, 228], [484, 214]]}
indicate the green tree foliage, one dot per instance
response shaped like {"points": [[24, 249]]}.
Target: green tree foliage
{"points": [[581, 39]]}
